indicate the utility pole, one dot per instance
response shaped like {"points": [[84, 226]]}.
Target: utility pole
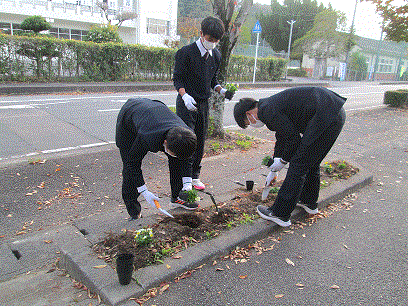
{"points": [[290, 41], [351, 33]]}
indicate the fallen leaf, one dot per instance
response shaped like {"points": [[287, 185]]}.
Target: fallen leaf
{"points": [[278, 296], [219, 269], [334, 287], [177, 257], [168, 266], [289, 262], [243, 276], [58, 169], [345, 246], [300, 285], [48, 241], [100, 266], [164, 288]]}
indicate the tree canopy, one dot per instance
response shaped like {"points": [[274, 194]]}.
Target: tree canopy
{"points": [[103, 33], [275, 26], [395, 17], [36, 24]]}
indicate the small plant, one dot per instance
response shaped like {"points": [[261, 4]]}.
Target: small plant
{"points": [[246, 219], [192, 195], [244, 144], [232, 87], [228, 147], [144, 236], [342, 165], [211, 234], [230, 224], [328, 168], [266, 160], [215, 146], [274, 190], [173, 109]]}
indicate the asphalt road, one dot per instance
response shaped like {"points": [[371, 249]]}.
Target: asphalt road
{"points": [[54, 123]]}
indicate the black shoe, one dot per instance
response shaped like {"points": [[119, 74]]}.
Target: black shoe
{"points": [[267, 214], [182, 201], [133, 218]]}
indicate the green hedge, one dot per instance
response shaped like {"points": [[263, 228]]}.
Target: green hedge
{"points": [[396, 98], [299, 72], [46, 58]]}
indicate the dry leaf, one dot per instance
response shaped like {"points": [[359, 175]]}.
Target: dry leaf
{"points": [[289, 262], [48, 241], [243, 276], [278, 296], [164, 288], [100, 266], [345, 246], [177, 257], [219, 269], [300, 285], [168, 266], [334, 287]]}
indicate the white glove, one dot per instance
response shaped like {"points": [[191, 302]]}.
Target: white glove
{"points": [[277, 165], [149, 197], [189, 102], [187, 183], [223, 91], [271, 178]]}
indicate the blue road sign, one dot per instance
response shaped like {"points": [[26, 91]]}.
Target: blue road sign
{"points": [[257, 28]]}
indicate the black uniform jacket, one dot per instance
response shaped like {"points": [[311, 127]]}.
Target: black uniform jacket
{"points": [[195, 74], [142, 126], [299, 115]]}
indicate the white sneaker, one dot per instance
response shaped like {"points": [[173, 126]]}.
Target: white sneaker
{"points": [[197, 184], [308, 210]]}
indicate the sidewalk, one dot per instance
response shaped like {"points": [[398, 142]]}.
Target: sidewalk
{"points": [[95, 174]]}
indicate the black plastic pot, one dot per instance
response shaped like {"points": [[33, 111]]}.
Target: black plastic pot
{"points": [[124, 268]]}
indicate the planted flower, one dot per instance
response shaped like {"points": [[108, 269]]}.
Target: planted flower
{"points": [[144, 236], [232, 87]]}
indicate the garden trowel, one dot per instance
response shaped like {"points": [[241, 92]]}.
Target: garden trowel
{"points": [[162, 210], [268, 188]]}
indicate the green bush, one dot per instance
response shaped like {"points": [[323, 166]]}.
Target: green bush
{"points": [[396, 98], [299, 72], [35, 24]]}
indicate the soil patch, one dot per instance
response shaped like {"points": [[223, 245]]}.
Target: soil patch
{"points": [[169, 236]]}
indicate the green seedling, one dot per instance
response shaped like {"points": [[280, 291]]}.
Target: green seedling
{"points": [[144, 236], [192, 195], [328, 167], [215, 146], [324, 184], [342, 165], [244, 144], [265, 160], [230, 224], [232, 87], [246, 219]]}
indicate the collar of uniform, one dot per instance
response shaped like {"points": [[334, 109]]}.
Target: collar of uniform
{"points": [[202, 49]]}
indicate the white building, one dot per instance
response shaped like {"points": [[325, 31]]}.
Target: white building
{"points": [[154, 25]]}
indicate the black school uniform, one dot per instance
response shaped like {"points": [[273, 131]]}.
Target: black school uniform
{"points": [[141, 127], [307, 122], [197, 74]]}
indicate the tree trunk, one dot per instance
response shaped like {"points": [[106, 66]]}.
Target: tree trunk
{"points": [[225, 11]]}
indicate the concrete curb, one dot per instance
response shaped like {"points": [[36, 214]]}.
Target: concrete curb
{"points": [[79, 262], [56, 88]]}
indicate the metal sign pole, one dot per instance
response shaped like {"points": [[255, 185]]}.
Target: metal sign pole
{"points": [[256, 56]]}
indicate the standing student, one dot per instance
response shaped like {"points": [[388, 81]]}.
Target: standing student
{"points": [[143, 126], [195, 73], [307, 122]]}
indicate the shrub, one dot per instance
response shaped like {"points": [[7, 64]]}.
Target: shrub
{"points": [[35, 24], [299, 72], [396, 98]]}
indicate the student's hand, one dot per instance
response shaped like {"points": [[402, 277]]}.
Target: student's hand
{"points": [[189, 102], [277, 165], [149, 197], [271, 178]]}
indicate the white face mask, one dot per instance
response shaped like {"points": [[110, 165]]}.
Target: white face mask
{"points": [[208, 45], [258, 123]]}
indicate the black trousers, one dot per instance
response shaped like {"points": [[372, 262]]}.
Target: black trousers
{"points": [[302, 181], [177, 168], [198, 121]]}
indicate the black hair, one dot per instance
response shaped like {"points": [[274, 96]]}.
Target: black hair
{"points": [[181, 141], [213, 26], [240, 109]]}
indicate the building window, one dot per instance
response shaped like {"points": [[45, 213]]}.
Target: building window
{"points": [[157, 26], [385, 65]]}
